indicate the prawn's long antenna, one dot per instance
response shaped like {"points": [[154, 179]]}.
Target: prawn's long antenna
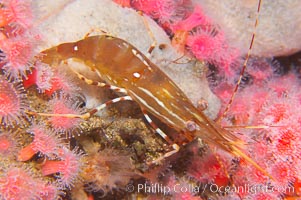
{"points": [[244, 65]]}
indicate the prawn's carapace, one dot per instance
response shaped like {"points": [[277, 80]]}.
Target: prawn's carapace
{"points": [[127, 70]]}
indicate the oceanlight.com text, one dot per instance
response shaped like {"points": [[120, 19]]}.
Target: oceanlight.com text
{"points": [[157, 188]]}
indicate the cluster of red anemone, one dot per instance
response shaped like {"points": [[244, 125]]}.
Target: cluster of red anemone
{"points": [[19, 70]]}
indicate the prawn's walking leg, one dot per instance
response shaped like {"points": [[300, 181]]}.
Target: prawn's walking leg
{"points": [[175, 147], [87, 114], [100, 84], [150, 33], [102, 106], [96, 30], [156, 128], [166, 155]]}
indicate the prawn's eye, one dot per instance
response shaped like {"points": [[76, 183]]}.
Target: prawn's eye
{"points": [[191, 126], [162, 46]]}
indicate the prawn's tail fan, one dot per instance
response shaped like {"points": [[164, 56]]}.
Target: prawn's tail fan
{"points": [[221, 138]]}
